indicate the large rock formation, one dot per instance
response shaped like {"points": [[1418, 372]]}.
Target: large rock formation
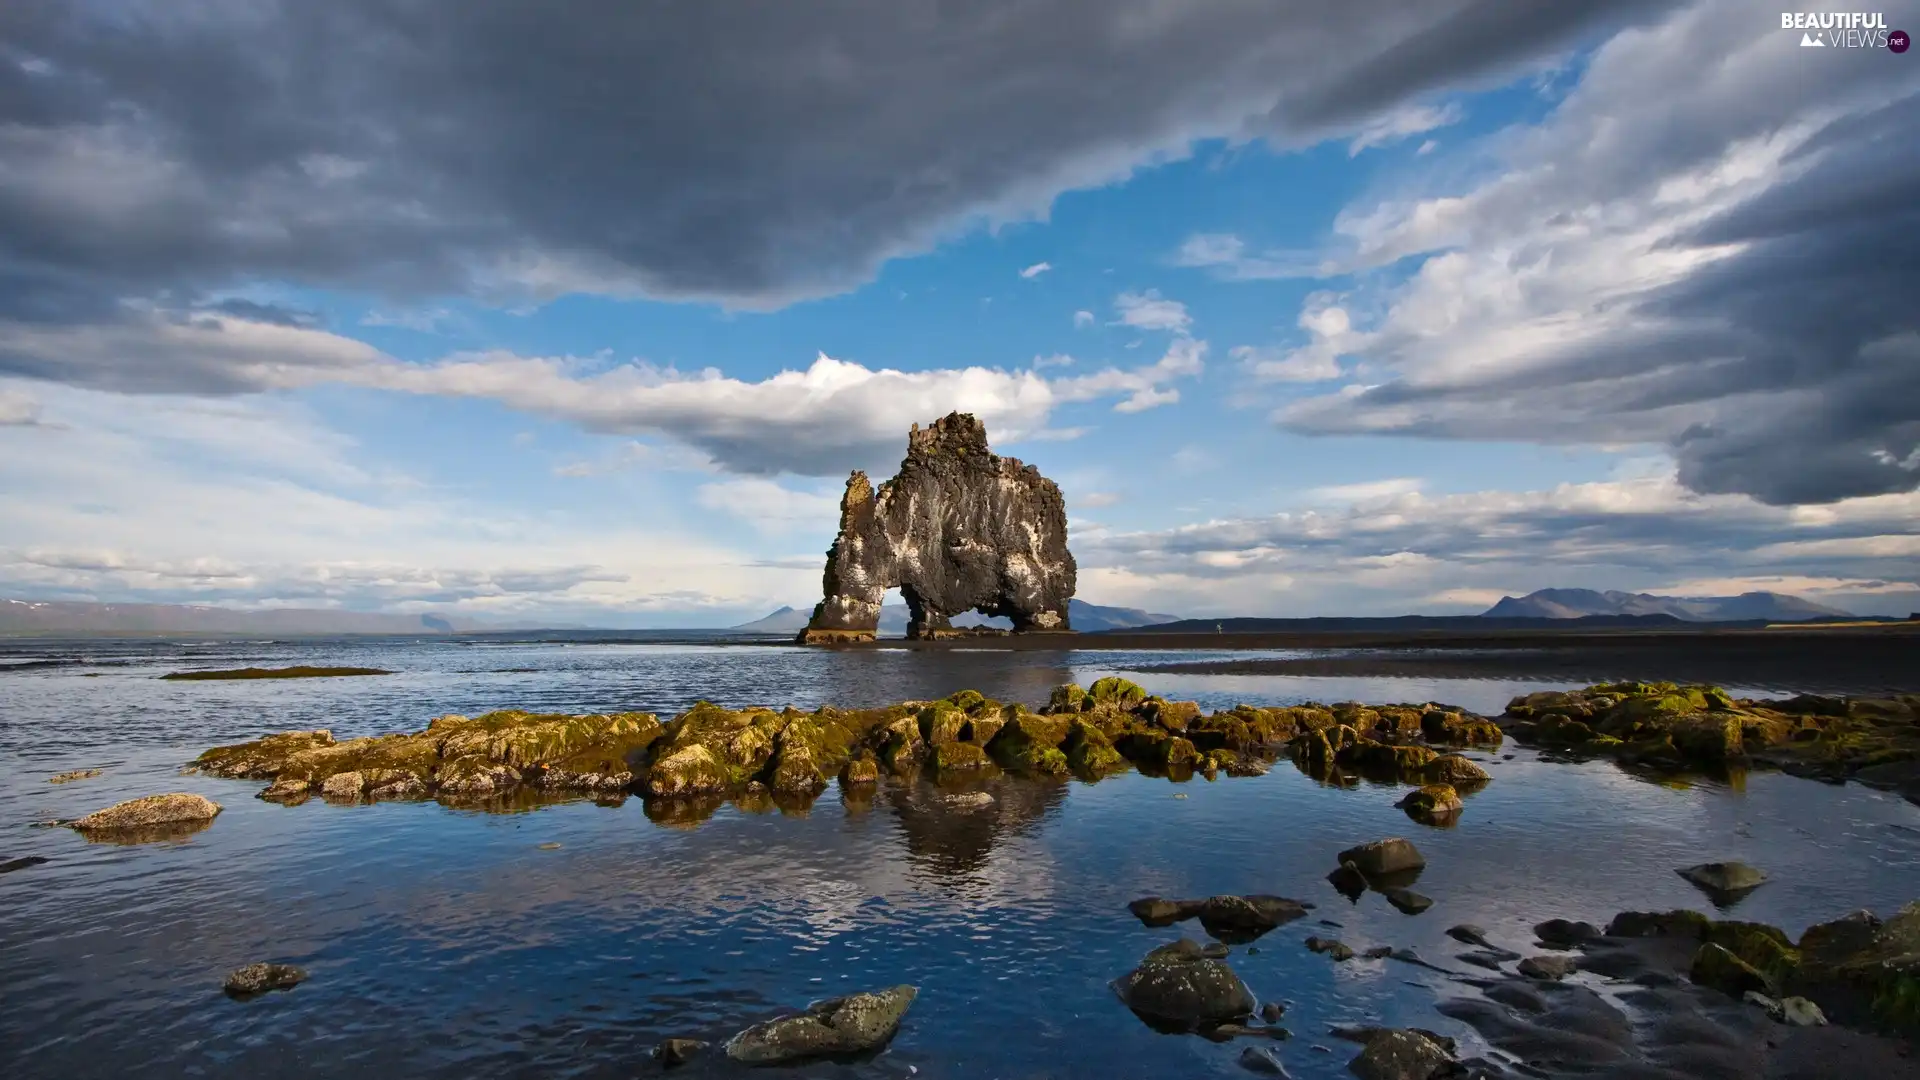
{"points": [[958, 529]]}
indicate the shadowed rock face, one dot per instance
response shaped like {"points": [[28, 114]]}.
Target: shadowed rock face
{"points": [[958, 529]]}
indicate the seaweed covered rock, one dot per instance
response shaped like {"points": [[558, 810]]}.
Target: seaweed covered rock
{"points": [[957, 529], [1179, 986], [1863, 970], [256, 979], [1401, 1055], [1432, 804], [855, 1024], [1674, 726]]}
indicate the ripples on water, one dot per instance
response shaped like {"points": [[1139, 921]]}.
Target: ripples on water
{"points": [[446, 942]]}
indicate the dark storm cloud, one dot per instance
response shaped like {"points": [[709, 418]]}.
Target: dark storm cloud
{"points": [[1714, 257], [752, 153]]}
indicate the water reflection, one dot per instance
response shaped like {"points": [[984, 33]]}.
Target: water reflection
{"points": [[448, 942]]}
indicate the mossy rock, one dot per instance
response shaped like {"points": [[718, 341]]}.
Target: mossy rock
{"points": [[966, 700], [1454, 770], [1022, 740], [1764, 948], [1400, 720], [981, 730], [1089, 753], [1677, 923], [901, 745], [1174, 716], [1717, 967], [1712, 738], [1433, 802], [1385, 758], [942, 722], [1222, 731], [1050, 762], [1116, 691], [959, 757], [691, 770], [261, 759], [1214, 760], [859, 770], [1067, 698], [795, 769]]}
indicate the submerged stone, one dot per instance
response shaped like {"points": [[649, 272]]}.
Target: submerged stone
{"points": [[1723, 882], [857, 1023], [255, 979]]}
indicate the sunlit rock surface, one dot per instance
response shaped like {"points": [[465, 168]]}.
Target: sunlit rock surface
{"points": [[958, 529]]}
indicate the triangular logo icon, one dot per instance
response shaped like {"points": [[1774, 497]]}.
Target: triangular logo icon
{"points": [[1808, 41]]}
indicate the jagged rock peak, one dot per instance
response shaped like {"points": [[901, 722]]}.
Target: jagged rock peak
{"points": [[959, 528]]}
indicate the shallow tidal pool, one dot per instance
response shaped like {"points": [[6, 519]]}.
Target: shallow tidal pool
{"points": [[445, 942]]}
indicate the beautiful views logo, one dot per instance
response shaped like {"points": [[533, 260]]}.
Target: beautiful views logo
{"points": [[1845, 30]]}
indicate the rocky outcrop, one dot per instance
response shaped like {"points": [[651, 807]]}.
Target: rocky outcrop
{"points": [[710, 754], [1669, 726], [958, 529]]}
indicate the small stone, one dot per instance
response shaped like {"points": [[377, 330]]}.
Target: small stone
{"points": [[1260, 1060], [1272, 1011], [1469, 934], [1383, 857], [1378, 952], [1547, 968], [972, 800], [1215, 951], [1407, 901], [1723, 882], [1339, 950], [1348, 881], [1154, 911], [257, 979], [1799, 1012], [1562, 934], [677, 1051], [10, 865], [70, 777], [550, 845]]}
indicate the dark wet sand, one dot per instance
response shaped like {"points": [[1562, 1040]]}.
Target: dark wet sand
{"points": [[1856, 660]]}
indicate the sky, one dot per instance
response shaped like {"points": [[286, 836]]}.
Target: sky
{"points": [[583, 313]]}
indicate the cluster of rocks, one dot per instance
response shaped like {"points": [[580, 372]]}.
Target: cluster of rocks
{"points": [[1875, 741], [1714, 997], [837, 1027], [709, 753], [1696, 996]]}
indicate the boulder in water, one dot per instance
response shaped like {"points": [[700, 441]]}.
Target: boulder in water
{"points": [[855, 1024]]}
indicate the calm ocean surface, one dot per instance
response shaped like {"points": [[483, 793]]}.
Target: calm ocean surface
{"points": [[449, 943]]}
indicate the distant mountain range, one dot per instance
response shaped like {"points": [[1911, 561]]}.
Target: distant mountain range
{"points": [[893, 619], [1577, 603], [72, 617]]}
